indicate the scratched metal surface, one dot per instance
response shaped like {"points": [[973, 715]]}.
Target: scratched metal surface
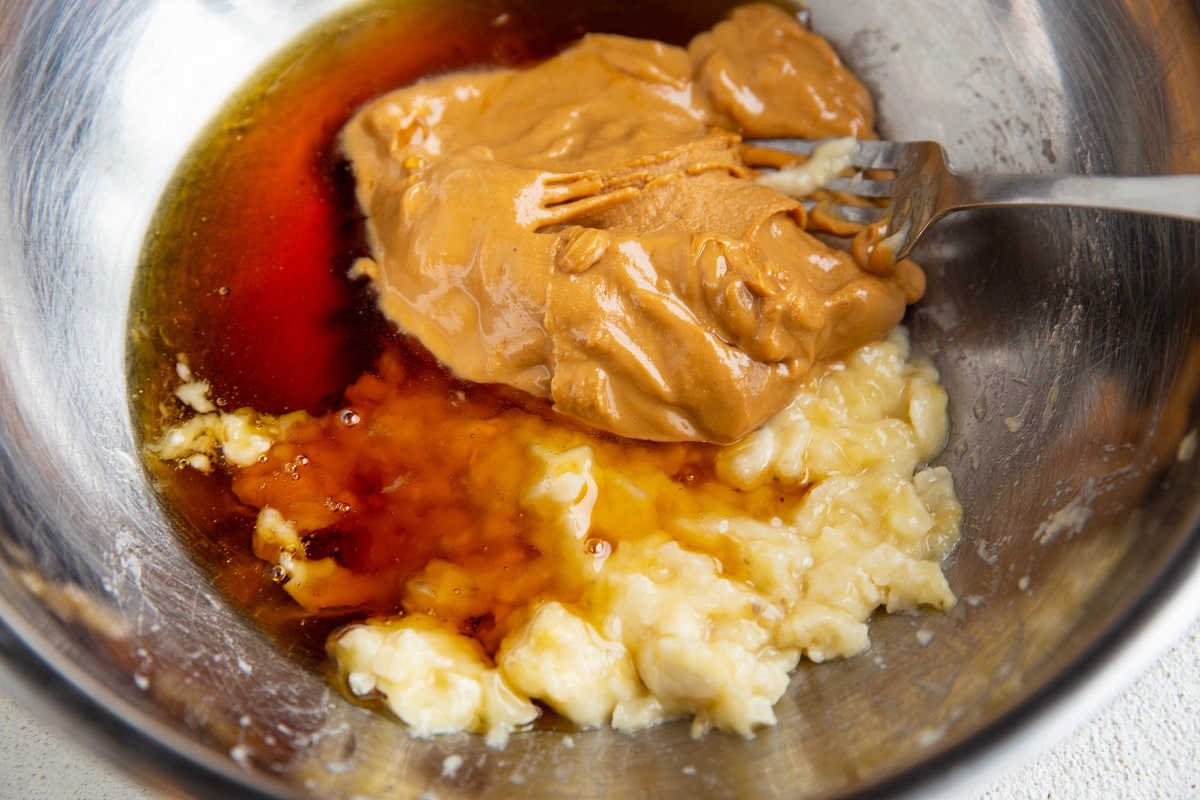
{"points": [[1067, 339]]}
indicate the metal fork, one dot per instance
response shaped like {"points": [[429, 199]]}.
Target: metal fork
{"points": [[926, 188]]}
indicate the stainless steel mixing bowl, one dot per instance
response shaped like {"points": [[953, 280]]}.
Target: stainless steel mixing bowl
{"points": [[1067, 339]]}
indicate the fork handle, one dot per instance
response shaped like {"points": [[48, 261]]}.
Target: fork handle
{"points": [[1167, 195]]}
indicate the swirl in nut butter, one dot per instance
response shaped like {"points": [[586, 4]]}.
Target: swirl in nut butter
{"points": [[588, 229]]}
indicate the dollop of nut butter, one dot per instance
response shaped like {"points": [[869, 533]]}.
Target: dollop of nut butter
{"points": [[589, 230]]}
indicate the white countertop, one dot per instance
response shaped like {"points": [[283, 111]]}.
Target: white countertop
{"points": [[1145, 744]]}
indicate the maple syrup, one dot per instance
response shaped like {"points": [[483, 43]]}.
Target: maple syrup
{"points": [[245, 272]]}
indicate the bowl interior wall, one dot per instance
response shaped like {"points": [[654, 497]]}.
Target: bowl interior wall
{"points": [[1067, 340]]}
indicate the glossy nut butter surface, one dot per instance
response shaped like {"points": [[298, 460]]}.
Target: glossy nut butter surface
{"points": [[588, 230]]}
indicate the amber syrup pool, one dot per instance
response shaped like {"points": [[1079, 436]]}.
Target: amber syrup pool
{"points": [[244, 271]]}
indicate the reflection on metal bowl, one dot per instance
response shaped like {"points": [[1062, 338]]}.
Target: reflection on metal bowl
{"points": [[1068, 341]]}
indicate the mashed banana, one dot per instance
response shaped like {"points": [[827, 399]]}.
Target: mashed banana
{"points": [[651, 594]]}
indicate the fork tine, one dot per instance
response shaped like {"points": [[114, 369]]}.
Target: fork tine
{"points": [[800, 147], [873, 154], [870, 153], [860, 186], [861, 215]]}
